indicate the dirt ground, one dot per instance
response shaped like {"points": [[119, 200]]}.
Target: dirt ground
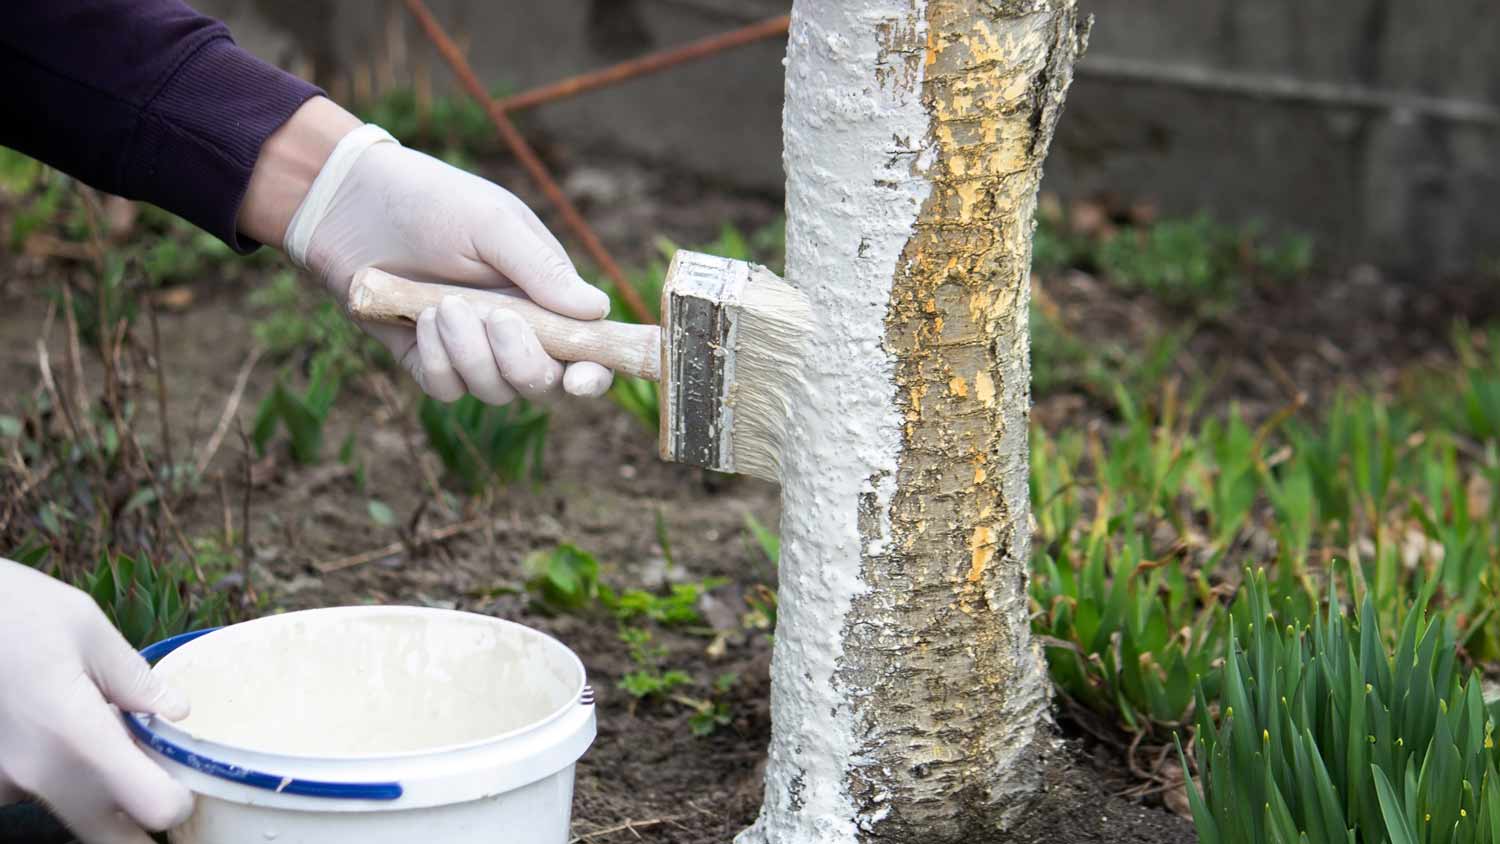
{"points": [[647, 776]]}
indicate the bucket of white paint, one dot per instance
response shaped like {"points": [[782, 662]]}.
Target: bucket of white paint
{"points": [[374, 725]]}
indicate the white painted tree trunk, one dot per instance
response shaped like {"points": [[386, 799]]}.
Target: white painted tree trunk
{"points": [[907, 700]]}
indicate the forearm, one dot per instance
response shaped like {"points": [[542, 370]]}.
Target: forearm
{"points": [[143, 98], [289, 162]]}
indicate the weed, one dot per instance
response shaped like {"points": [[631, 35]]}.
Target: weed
{"points": [[760, 600], [1198, 263], [45, 195], [647, 680], [712, 713], [83, 478], [1126, 633], [169, 249], [304, 415], [1194, 264], [563, 579], [1055, 248], [296, 319], [174, 251], [19, 173], [679, 607], [482, 445]]}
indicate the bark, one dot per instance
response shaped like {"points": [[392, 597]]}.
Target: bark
{"points": [[908, 702]]}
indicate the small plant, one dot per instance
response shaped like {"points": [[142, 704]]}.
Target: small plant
{"points": [[648, 680], [454, 126], [1124, 633], [304, 415], [1470, 402], [1324, 735], [1197, 263], [482, 445], [149, 603], [679, 607], [299, 320], [563, 579], [178, 252], [712, 713]]}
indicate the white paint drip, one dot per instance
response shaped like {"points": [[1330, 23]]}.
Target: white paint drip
{"points": [[852, 144]]}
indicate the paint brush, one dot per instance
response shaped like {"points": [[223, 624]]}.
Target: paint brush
{"points": [[727, 347]]}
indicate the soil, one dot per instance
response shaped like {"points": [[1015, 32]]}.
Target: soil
{"points": [[648, 777]]}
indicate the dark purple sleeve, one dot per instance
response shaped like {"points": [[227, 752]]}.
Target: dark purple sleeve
{"points": [[143, 98]]}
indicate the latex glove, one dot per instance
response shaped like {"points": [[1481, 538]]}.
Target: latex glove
{"points": [[62, 665], [378, 204]]}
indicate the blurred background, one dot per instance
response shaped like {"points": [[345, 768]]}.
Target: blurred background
{"points": [[1373, 125]]}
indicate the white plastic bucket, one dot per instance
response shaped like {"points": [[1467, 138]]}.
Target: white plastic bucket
{"points": [[374, 725]]}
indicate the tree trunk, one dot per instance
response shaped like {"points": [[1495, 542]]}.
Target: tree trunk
{"points": [[908, 702]]}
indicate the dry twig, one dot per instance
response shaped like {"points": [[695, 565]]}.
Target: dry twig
{"points": [[632, 827], [231, 406], [384, 551]]}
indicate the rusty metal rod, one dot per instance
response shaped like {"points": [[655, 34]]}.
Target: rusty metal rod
{"points": [[529, 159], [651, 63]]}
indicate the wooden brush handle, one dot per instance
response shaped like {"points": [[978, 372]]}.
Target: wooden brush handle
{"points": [[378, 296]]}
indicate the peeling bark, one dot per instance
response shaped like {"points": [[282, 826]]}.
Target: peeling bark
{"points": [[908, 701]]}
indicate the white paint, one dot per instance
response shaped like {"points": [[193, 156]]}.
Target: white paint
{"points": [[852, 143], [369, 684], [480, 721], [774, 317]]}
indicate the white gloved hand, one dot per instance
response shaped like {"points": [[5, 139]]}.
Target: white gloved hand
{"points": [[61, 667], [378, 204]]}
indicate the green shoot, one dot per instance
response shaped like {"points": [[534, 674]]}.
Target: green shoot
{"points": [[563, 579], [482, 445], [149, 603], [303, 415]]}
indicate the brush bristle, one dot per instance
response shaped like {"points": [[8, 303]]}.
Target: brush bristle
{"points": [[731, 335]]}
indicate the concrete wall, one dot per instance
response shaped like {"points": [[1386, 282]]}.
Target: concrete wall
{"points": [[1372, 124]]}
